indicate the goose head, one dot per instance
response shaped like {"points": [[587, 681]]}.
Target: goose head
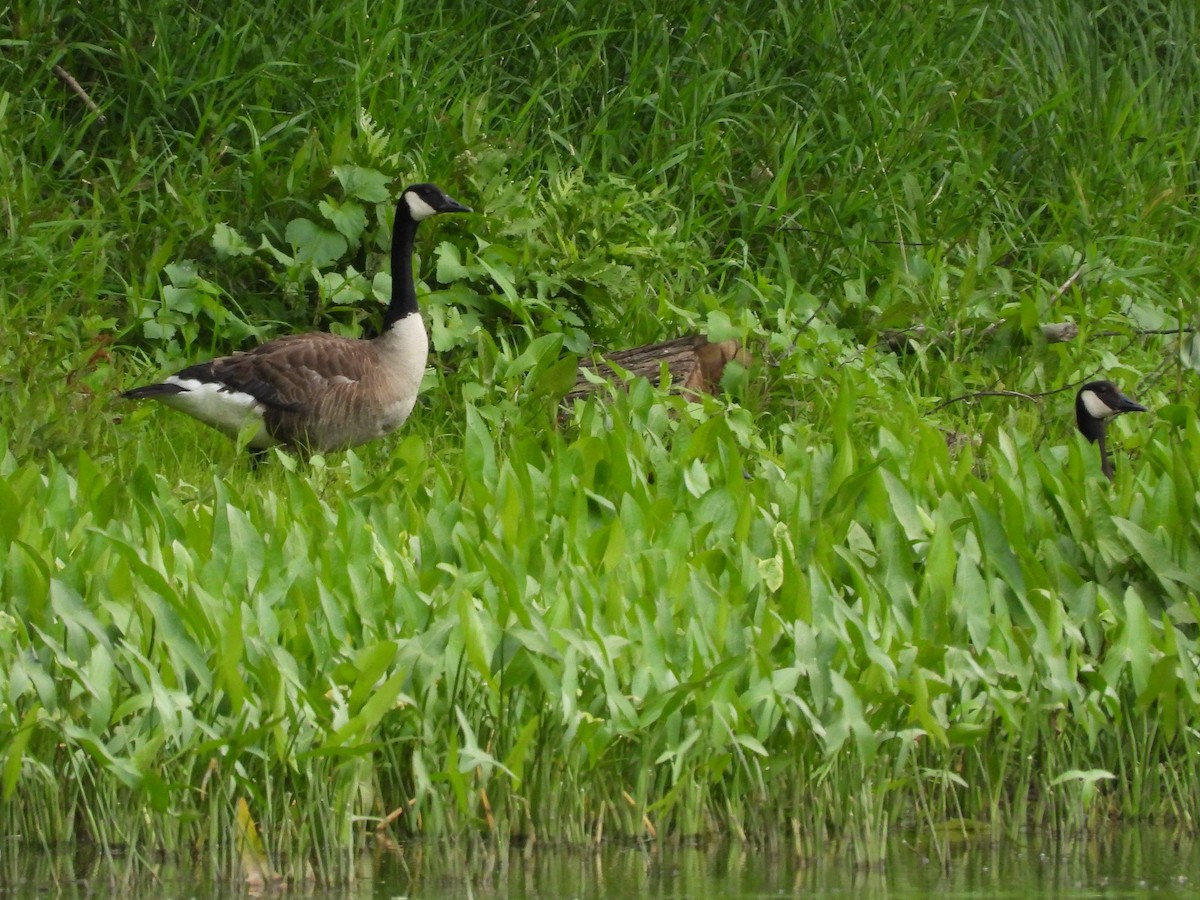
{"points": [[424, 200], [1096, 403]]}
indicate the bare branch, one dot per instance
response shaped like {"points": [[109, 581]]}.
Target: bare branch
{"points": [[977, 394], [1066, 285], [840, 237], [75, 86], [1183, 330], [1052, 333]]}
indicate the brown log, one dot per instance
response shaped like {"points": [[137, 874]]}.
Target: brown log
{"points": [[1060, 332], [692, 364]]}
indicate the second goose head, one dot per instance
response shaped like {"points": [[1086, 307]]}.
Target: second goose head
{"points": [[1096, 403]]}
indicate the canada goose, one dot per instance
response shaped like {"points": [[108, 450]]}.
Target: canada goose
{"points": [[1095, 404], [317, 391]]}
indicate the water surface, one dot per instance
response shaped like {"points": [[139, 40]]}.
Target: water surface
{"points": [[1124, 863]]}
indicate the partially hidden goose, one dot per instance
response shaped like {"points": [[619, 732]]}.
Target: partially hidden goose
{"points": [[1096, 403], [319, 392]]}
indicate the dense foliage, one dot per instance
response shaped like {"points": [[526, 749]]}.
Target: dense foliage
{"points": [[880, 581]]}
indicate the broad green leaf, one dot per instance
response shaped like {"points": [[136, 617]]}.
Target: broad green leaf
{"points": [[182, 274], [471, 755], [514, 762], [1084, 775], [26, 579], [228, 242], [473, 635], [1156, 556], [229, 659], [314, 244], [904, 507], [15, 751], [361, 727], [720, 328], [752, 744], [348, 217], [502, 276], [972, 597], [370, 663], [363, 184], [9, 522], [450, 267], [695, 478], [479, 450]]}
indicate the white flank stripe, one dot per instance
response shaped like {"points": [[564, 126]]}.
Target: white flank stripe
{"points": [[214, 404]]}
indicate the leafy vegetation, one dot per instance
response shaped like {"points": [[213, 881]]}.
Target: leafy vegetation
{"points": [[864, 589]]}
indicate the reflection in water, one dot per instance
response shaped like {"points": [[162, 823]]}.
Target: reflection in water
{"points": [[1120, 861], [1123, 859]]}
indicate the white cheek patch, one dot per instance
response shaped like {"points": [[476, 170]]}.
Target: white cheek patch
{"points": [[1096, 407], [213, 404], [417, 207]]}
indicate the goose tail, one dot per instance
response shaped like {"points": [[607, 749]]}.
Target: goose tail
{"points": [[152, 390]]}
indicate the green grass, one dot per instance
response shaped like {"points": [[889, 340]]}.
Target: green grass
{"points": [[495, 625]]}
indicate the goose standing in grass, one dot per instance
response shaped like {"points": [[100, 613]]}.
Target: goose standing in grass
{"points": [[319, 392], [1096, 403]]}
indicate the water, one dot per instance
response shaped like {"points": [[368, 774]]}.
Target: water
{"points": [[1125, 863]]}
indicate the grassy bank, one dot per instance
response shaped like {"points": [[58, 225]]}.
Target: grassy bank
{"points": [[837, 600]]}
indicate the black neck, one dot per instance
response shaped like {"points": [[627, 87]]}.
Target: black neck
{"points": [[1091, 427], [1106, 465], [404, 291]]}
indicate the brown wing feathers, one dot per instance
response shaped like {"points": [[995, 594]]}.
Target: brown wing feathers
{"points": [[289, 373]]}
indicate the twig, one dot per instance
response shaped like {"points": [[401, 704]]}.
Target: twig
{"points": [[1052, 333], [1066, 285], [829, 234], [1147, 380], [776, 359], [976, 394], [1170, 360], [1033, 397], [75, 86], [1190, 329]]}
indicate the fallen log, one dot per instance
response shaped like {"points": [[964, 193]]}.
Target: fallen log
{"points": [[691, 364]]}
